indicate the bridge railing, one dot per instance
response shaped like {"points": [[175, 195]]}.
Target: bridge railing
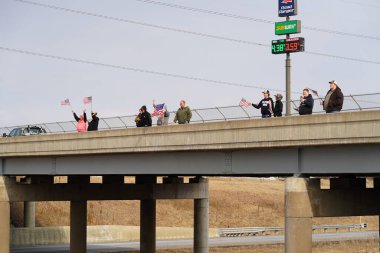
{"points": [[351, 103], [252, 231]]}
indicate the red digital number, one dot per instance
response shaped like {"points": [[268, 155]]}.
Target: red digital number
{"points": [[290, 47]]}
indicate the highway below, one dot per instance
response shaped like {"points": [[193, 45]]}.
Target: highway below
{"points": [[187, 243]]}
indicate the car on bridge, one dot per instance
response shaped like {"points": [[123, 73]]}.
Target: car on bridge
{"points": [[25, 131]]}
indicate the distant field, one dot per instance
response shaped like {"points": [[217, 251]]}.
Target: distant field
{"points": [[234, 202]]}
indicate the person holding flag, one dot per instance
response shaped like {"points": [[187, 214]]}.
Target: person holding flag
{"points": [[161, 111], [81, 121], [266, 105], [94, 123]]}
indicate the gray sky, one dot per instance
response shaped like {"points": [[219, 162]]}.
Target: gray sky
{"points": [[32, 87]]}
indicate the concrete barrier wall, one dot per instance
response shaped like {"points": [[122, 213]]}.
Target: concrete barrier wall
{"points": [[314, 130], [95, 234]]}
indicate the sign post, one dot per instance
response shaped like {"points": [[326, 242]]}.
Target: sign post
{"points": [[287, 8]]}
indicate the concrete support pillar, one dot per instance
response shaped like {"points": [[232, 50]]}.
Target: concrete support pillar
{"points": [[147, 218], [78, 226], [298, 216], [5, 218], [78, 219], [201, 220], [29, 214]]}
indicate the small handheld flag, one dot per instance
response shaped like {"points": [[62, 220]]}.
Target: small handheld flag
{"points": [[159, 110], [244, 102], [65, 102], [87, 100]]}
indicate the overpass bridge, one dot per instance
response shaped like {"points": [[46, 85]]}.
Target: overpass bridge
{"points": [[343, 146]]}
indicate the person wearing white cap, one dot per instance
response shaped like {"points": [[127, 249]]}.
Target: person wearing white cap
{"points": [[266, 105], [334, 99]]}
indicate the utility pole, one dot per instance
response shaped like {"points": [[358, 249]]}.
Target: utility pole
{"points": [[287, 8]]}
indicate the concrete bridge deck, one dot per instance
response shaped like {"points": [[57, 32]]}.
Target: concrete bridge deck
{"points": [[343, 143]]}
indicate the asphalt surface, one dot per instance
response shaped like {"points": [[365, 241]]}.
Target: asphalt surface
{"points": [[186, 243]]}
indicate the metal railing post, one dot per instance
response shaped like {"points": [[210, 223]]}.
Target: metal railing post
{"points": [[245, 111], [356, 102], [199, 115], [122, 122], [217, 108], [61, 127], [104, 120]]}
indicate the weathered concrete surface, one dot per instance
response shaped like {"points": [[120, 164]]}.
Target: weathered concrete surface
{"points": [[298, 216], [295, 131], [96, 234]]}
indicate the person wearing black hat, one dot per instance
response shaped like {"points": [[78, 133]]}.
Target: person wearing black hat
{"points": [[144, 119], [266, 105], [334, 99], [277, 112], [94, 123]]}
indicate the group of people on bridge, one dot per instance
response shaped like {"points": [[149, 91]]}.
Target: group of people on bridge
{"points": [[332, 103]]}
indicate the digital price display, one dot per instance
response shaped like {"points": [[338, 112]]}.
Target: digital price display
{"points": [[284, 46]]}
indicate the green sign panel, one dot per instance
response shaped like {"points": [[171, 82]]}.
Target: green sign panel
{"points": [[288, 27]]}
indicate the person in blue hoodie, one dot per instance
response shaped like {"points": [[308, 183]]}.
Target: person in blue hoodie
{"points": [[266, 105]]}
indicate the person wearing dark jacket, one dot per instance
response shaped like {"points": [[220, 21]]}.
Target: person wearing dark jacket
{"points": [[144, 119], [334, 99], [94, 123], [307, 103], [266, 105], [277, 112]]}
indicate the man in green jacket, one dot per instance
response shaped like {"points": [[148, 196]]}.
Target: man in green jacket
{"points": [[183, 114]]}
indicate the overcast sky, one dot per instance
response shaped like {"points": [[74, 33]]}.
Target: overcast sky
{"points": [[32, 87]]}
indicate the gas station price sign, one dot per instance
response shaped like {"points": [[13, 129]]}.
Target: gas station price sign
{"points": [[291, 45]]}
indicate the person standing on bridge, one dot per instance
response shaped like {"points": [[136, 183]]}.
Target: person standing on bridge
{"points": [[94, 123], [277, 112], [81, 121], [307, 103], [183, 114], [144, 119], [266, 105], [334, 99]]}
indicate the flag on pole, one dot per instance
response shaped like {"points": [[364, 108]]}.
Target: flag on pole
{"points": [[313, 91], [244, 102], [87, 100], [159, 110], [65, 102]]}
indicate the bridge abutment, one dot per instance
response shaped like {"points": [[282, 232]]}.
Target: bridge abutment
{"points": [[4, 226]]}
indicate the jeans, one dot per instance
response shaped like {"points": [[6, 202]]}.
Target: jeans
{"points": [[265, 116]]}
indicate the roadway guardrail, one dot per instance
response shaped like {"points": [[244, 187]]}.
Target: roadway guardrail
{"points": [[252, 231]]}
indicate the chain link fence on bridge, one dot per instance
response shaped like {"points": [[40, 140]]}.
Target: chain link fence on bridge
{"points": [[351, 103]]}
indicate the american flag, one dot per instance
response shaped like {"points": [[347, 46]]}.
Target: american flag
{"points": [[87, 100], [158, 110], [244, 102], [65, 102]]}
